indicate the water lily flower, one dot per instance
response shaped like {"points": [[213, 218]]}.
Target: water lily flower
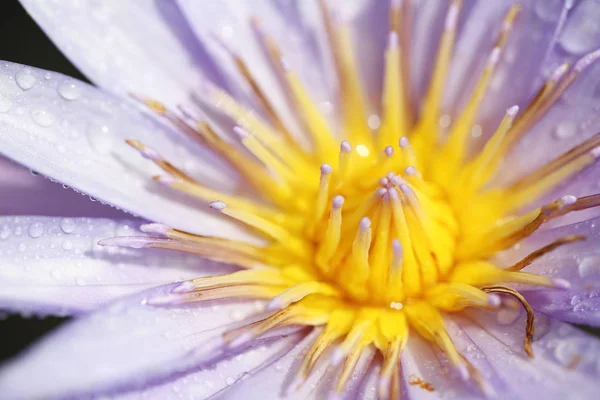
{"points": [[361, 199]]}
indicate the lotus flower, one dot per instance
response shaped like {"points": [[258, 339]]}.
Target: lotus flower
{"points": [[352, 199]]}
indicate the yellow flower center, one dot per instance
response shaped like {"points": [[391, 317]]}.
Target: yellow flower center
{"points": [[372, 234]]}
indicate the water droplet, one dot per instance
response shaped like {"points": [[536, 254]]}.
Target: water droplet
{"points": [[100, 138], [42, 117], [22, 247], [79, 281], [70, 89], [68, 225], [5, 233], [445, 121], [575, 300], [56, 274], [25, 79], [507, 316], [568, 351], [373, 121], [230, 380], [236, 315], [565, 130], [589, 266], [36, 230], [5, 104], [549, 10], [67, 245], [582, 31]]}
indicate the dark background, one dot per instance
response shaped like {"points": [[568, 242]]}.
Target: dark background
{"points": [[22, 41]]}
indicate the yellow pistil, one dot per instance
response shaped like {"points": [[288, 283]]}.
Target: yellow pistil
{"points": [[371, 237]]}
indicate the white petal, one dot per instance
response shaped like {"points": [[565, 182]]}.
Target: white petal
{"points": [[428, 375], [126, 345], [140, 46], [565, 363], [52, 265], [73, 133], [23, 192], [275, 382], [226, 372]]}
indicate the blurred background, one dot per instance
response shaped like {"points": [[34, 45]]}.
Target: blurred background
{"points": [[23, 42]]}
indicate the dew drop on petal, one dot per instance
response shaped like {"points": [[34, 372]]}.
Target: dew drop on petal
{"points": [[589, 266], [507, 316], [67, 245], [68, 225], [100, 138], [69, 89], [5, 104], [25, 79], [582, 31], [4, 233], [42, 117], [565, 130], [79, 281], [22, 247], [549, 10], [36, 230]]}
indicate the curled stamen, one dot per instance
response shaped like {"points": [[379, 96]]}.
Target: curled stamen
{"points": [[545, 250], [530, 324]]}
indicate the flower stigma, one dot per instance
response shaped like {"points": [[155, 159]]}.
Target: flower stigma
{"points": [[371, 234]]}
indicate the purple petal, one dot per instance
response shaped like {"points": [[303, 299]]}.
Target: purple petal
{"points": [[296, 27], [226, 372], [144, 47], [126, 345], [578, 263], [275, 381], [428, 375], [24, 193], [75, 134], [565, 363], [54, 266]]}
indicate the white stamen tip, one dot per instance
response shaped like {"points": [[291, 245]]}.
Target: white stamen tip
{"points": [[365, 223], [389, 151], [160, 229], [163, 300], [568, 200], [410, 171], [396, 180], [384, 181], [561, 283], [338, 201], [381, 191], [133, 242], [165, 179], [512, 111], [345, 147], [397, 246], [595, 152], [404, 143], [337, 357], [393, 40], [452, 17], [494, 300], [241, 340], [326, 169], [184, 287], [275, 304], [464, 372], [494, 56], [217, 205], [240, 132]]}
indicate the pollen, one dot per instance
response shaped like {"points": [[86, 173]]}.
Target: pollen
{"points": [[371, 235]]}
